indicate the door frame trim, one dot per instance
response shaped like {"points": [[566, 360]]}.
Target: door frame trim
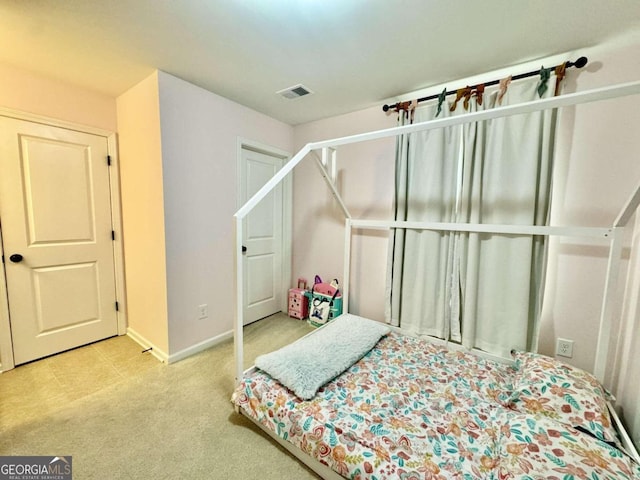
{"points": [[6, 340], [287, 207]]}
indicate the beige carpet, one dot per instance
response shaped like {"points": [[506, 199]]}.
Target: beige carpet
{"points": [[147, 420]]}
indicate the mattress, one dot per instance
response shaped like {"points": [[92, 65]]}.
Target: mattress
{"points": [[410, 409]]}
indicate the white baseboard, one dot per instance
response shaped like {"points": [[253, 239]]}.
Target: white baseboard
{"points": [[182, 354], [146, 344], [199, 347]]}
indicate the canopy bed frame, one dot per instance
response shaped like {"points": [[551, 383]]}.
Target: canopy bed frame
{"points": [[327, 163]]}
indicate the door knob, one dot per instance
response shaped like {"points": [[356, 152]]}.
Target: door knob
{"points": [[244, 249], [16, 258]]}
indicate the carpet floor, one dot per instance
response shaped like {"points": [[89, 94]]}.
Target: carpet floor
{"points": [[135, 418]]}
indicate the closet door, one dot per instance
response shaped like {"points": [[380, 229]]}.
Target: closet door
{"points": [[262, 260], [55, 208]]}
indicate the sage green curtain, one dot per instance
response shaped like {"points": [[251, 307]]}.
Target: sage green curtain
{"points": [[483, 290], [420, 262]]}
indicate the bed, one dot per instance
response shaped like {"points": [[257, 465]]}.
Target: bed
{"points": [[409, 408], [412, 409]]}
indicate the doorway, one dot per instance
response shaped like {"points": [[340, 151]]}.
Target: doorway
{"points": [[61, 271], [266, 233]]}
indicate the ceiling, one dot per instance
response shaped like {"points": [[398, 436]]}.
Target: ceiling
{"points": [[352, 54]]}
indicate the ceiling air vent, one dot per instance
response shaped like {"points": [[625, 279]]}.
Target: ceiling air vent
{"points": [[296, 91]]}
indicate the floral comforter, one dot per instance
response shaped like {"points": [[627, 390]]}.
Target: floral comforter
{"points": [[413, 410]]}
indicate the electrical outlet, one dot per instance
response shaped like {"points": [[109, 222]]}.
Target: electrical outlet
{"points": [[203, 311], [564, 348]]}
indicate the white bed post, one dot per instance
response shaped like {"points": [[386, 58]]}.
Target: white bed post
{"points": [[347, 265], [333, 170], [238, 340], [613, 273], [606, 313]]}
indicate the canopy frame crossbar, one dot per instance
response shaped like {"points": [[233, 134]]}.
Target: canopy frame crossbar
{"points": [[613, 233]]}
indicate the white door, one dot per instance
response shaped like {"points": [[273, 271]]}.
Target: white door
{"points": [[55, 208], [262, 237]]}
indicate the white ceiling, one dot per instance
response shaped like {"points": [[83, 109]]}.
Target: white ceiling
{"points": [[353, 54]]}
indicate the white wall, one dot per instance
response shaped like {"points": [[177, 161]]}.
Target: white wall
{"points": [[200, 132], [140, 154]]}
